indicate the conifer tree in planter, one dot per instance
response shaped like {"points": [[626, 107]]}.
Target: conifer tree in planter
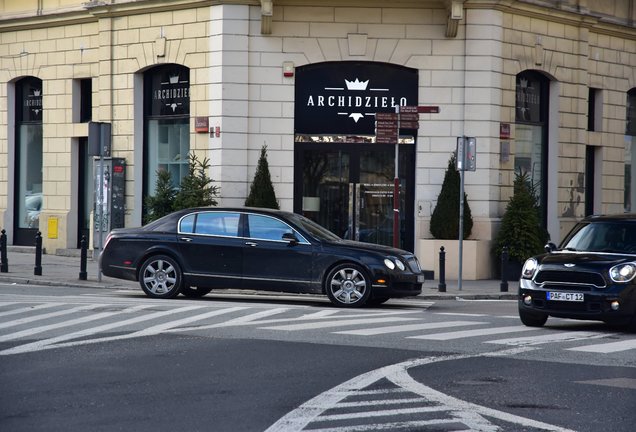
{"points": [[521, 229], [445, 217], [162, 202], [262, 190], [196, 187]]}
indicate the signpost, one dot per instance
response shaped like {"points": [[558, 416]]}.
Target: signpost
{"points": [[387, 131], [466, 161], [99, 144]]}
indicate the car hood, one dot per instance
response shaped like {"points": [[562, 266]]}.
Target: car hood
{"points": [[591, 260], [370, 247]]}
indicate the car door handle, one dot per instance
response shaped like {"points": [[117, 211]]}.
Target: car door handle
{"points": [[185, 239], [252, 244]]}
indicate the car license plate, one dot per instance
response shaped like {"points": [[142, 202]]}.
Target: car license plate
{"points": [[565, 296]]}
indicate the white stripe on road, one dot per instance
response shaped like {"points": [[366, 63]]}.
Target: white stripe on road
{"points": [[607, 348], [472, 416], [29, 309], [473, 333], [46, 316], [43, 344], [147, 332], [408, 327], [549, 338], [411, 425], [81, 320], [322, 325], [242, 320], [380, 413], [380, 402]]}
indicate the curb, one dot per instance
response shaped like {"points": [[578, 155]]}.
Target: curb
{"points": [[100, 285]]}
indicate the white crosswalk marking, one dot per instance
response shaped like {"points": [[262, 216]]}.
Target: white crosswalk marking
{"points": [[30, 319], [322, 325], [81, 320], [30, 308], [473, 333], [41, 344], [609, 347], [408, 327], [550, 338]]}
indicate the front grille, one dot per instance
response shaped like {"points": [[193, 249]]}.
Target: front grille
{"points": [[564, 278]]}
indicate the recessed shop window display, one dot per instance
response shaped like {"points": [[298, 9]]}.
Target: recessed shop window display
{"points": [[531, 132], [630, 152], [167, 123], [28, 164]]}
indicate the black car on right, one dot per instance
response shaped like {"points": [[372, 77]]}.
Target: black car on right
{"points": [[590, 276]]}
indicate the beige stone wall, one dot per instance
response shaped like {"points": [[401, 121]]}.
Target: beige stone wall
{"points": [[237, 81]]}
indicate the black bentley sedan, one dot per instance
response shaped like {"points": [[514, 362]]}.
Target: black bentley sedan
{"points": [[196, 250], [590, 276]]}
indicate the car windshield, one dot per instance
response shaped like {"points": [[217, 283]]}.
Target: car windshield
{"points": [[606, 236], [317, 231]]}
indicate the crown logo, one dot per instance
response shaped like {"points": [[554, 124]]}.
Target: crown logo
{"points": [[174, 79], [357, 84], [523, 83], [37, 92]]}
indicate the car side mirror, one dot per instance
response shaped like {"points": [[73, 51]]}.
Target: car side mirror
{"points": [[291, 238], [550, 247]]}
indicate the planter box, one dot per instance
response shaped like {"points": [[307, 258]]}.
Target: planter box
{"points": [[477, 263]]}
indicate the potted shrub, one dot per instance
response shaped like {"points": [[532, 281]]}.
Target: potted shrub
{"points": [[444, 227], [521, 229], [445, 217], [262, 190]]}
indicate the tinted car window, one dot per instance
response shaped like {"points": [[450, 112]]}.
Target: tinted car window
{"points": [[187, 224], [616, 237], [267, 228], [217, 223]]}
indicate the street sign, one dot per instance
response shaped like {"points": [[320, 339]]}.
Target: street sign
{"points": [[407, 109], [409, 117], [386, 116], [383, 124], [385, 140], [409, 124], [428, 109]]}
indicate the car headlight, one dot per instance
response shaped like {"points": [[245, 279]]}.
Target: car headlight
{"points": [[623, 272], [529, 267], [392, 262]]}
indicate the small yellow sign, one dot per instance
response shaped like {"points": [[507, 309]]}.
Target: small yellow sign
{"points": [[52, 227]]}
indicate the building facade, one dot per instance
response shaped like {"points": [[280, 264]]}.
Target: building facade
{"points": [[545, 87]]}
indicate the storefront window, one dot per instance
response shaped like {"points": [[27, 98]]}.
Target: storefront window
{"points": [[630, 152], [531, 132], [29, 153], [167, 124]]}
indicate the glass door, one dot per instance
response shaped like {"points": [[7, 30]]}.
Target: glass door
{"points": [[348, 189]]}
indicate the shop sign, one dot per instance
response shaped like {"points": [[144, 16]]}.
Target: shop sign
{"points": [[344, 97], [528, 100], [169, 90], [31, 99]]}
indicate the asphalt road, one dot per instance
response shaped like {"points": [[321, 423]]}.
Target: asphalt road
{"points": [[79, 359]]}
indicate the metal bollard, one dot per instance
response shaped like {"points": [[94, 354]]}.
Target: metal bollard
{"points": [[4, 260], [442, 270], [82, 273], [37, 270], [504, 267]]}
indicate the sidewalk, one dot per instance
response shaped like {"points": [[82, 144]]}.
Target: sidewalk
{"points": [[58, 270]]}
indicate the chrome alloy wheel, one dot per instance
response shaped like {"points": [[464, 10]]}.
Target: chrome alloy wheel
{"points": [[160, 277], [347, 286]]}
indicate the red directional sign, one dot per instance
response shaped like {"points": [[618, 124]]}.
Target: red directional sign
{"points": [[428, 109], [408, 109], [409, 125], [386, 116]]}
